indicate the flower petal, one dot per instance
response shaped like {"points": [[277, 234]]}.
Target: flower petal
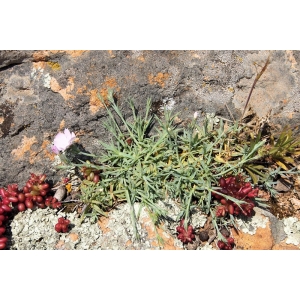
{"points": [[63, 140], [54, 149], [60, 142], [70, 136]]}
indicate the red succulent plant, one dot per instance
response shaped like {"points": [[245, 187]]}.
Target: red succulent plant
{"points": [[186, 236], [62, 225], [236, 187], [226, 246], [33, 194]]}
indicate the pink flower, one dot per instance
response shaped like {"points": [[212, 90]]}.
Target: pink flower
{"points": [[62, 141]]}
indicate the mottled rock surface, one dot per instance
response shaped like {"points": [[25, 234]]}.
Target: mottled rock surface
{"points": [[43, 92], [264, 231], [34, 230]]}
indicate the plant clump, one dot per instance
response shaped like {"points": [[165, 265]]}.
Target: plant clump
{"points": [[35, 194], [228, 245], [183, 163], [62, 225], [201, 166], [236, 187], [90, 174], [185, 235]]}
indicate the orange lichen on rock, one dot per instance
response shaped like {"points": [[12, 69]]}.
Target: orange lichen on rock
{"points": [[141, 58], [82, 90], [75, 53], [24, 147], [261, 240], [95, 102], [168, 240], [40, 55], [65, 93], [60, 244], [128, 243], [73, 236], [102, 222], [44, 55], [62, 125], [39, 65], [291, 58], [160, 79], [111, 54], [284, 246], [45, 150], [54, 85]]}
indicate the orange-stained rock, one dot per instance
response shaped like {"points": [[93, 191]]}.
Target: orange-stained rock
{"points": [[40, 55], [73, 236], [284, 246], [60, 244], [24, 147], [167, 243], [46, 152], [261, 240], [128, 243], [102, 222], [95, 102], [66, 92], [159, 79]]}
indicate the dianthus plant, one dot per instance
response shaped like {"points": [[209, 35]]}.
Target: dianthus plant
{"points": [[181, 163]]}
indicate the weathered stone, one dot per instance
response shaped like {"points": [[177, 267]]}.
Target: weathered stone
{"points": [[267, 233], [284, 246], [43, 92], [261, 240], [13, 57]]}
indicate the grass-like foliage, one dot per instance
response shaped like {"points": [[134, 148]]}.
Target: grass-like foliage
{"points": [[183, 163]]}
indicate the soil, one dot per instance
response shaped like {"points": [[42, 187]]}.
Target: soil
{"points": [[287, 201]]}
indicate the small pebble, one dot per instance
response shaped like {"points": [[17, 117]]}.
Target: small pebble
{"points": [[203, 235]]}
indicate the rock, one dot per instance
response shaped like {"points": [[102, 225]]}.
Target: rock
{"points": [[43, 92], [264, 231], [261, 240], [284, 246], [203, 235], [14, 57]]}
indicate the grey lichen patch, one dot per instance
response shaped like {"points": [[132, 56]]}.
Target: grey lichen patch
{"points": [[120, 235], [168, 104], [277, 226], [206, 247], [34, 230], [47, 80], [198, 220], [250, 225], [292, 229]]}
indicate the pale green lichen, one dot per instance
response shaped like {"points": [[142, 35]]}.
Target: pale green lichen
{"points": [[292, 229], [250, 225], [47, 80], [198, 220], [207, 247]]}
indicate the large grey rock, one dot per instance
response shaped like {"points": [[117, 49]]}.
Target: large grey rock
{"points": [[43, 92]]}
